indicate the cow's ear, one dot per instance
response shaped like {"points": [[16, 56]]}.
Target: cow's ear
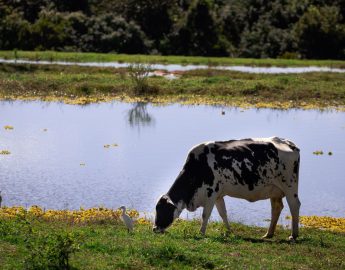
{"points": [[167, 199]]}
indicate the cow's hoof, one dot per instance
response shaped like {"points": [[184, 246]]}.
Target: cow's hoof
{"points": [[267, 236], [292, 238]]}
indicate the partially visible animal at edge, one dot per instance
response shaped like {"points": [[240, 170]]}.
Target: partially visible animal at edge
{"points": [[251, 169], [0, 198], [126, 219]]}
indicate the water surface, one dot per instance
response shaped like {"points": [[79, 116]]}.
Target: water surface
{"points": [[176, 67], [58, 159]]}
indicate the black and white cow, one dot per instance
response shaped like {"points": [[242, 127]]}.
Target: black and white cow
{"points": [[251, 169]]}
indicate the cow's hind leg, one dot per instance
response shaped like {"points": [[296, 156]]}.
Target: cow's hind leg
{"points": [[294, 205], [205, 216], [276, 208], [220, 204]]}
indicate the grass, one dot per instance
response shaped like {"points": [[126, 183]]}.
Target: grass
{"points": [[107, 245], [184, 60], [80, 85]]}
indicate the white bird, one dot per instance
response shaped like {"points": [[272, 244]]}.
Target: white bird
{"points": [[126, 219]]}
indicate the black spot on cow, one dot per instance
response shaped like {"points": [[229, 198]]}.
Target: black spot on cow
{"points": [[164, 213], [217, 187], [295, 170], [259, 154], [293, 147], [195, 173], [206, 150], [209, 192], [295, 195], [264, 172]]}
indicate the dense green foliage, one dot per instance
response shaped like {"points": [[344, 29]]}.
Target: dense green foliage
{"points": [[238, 28]]}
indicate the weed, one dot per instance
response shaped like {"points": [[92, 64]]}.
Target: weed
{"points": [[84, 89], [15, 54], [139, 74], [50, 251]]}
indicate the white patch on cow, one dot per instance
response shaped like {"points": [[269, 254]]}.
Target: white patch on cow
{"points": [[248, 164], [236, 166], [179, 207]]}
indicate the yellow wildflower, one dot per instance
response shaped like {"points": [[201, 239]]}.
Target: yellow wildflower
{"points": [[328, 223]]}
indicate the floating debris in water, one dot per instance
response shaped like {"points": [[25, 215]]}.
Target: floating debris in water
{"points": [[7, 127], [82, 164], [318, 152], [5, 152], [110, 145], [223, 112], [45, 129], [330, 153]]}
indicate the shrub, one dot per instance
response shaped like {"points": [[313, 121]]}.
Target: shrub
{"points": [[139, 74], [51, 251]]}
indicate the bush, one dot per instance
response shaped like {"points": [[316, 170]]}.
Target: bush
{"points": [[139, 74], [51, 251]]}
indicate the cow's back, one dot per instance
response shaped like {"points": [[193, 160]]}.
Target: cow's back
{"points": [[253, 168]]}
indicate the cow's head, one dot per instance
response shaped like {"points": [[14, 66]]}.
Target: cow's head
{"points": [[166, 212]]}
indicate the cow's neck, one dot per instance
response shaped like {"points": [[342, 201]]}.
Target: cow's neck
{"points": [[180, 205]]}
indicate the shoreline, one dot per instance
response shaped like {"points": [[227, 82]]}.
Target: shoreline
{"points": [[165, 59], [177, 68], [182, 100]]}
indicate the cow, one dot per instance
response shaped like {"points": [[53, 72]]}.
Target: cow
{"points": [[252, 169]]}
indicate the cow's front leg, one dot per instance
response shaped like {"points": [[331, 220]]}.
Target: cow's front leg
{"points": [[220, 204], [277, 206], [206, 213]]}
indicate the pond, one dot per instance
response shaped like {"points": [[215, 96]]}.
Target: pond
{"points": [[112, 154], [176, 67]]}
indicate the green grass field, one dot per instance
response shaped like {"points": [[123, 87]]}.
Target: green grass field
{"points": [[80, 85], [30, 243], [184, 60]]}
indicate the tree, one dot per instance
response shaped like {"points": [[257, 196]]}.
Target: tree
{"points": [[198, 33], [109, 33], [49, 32], [319, 33], [14, 32]]}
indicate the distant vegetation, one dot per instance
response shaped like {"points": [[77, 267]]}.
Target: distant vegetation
{"points": [[238, 28], [81, 85]]}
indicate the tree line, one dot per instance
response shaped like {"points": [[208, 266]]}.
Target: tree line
{"points": [[236, 28]]}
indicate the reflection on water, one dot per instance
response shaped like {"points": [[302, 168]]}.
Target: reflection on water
{"points": [[50, 141], [138, 115]]}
